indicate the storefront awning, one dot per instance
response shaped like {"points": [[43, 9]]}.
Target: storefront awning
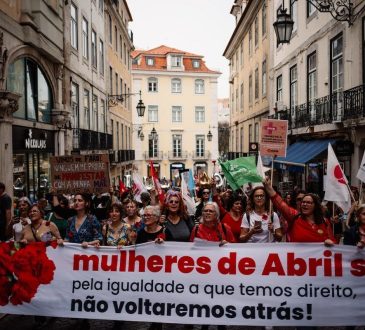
{"points": [[302, 152]]}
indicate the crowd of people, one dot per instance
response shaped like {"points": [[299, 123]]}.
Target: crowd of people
{"points": [[221, 215]]}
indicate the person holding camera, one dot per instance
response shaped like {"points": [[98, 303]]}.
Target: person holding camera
{"points": [[258, 226]]}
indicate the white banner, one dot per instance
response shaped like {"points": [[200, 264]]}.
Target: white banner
{"points": [[197, 283]]}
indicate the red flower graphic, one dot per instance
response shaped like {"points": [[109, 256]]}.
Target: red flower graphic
{"points": [[264, 217], [22, 270]]}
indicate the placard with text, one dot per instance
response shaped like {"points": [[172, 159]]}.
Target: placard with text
{"points": [[274, 134]]}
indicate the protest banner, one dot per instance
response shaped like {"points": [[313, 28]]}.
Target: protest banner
{"points": [[80, 174], [273, 137], [189, 283]]}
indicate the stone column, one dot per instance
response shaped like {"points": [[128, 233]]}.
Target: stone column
{"points": [[8, 105]]}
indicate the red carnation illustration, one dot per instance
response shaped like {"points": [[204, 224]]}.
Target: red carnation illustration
{"points": [[339, 174], [264, 217], [22, 271]]}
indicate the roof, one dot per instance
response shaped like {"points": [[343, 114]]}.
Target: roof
{"points": [[160, 53]]}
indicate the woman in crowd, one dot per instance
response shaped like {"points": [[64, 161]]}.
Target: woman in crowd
{"points": [[83, 228], [258, 226], [132, 219], [288, 199], [58, 219], [210, 228], [40, 230], [203, 195], [356, 234], [306, 225], [115, 231], [233, 217], [177, 223], [22, 218], [152, 230]]}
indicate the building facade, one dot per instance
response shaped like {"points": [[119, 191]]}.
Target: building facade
{"points": [[249, 54], [180, 94]]}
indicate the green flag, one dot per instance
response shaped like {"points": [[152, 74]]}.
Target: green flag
{"points": [[240, 171]]}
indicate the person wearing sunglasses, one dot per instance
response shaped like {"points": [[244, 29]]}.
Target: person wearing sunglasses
{"points": [[177, 223], [204, 196], [306, 225]]}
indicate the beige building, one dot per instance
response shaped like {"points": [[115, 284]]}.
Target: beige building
{"points": [[119, 44], [180, 94], [249, 53], [319, 88]]}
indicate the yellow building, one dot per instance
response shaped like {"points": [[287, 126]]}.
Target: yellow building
{"points": [[248, 51], [180, 94], [119, 44]]}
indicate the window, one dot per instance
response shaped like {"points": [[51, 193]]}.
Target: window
{"points": [[256, 83], [94, 60], [75, 105], [237, 138], [279, 88], [176, 114], [176, 85], [152, 84], [26, 78], [250, 41], [199, 86], [293, 87], [153, 113], [101, 57], [85, 38], [86, 109], [310, 9], [199, 114], [337, 74], [312, 77], [101, 5], [196, 64], [176, 61], [256, 31], [150, 61], [74, 26], [102, 116], [256, 132], [237, 104], [250, 134], [110, 80], [232, 101], [110, 29], [176, 145], [293, 13], [241, 139], [199, 145], [125, 53], [241, 97], [118, 136], [116, 38], [94, 121], [263, 19], [250, 89], [120, 47], [121, 85], [263, 83], [152, 147], [116, 83]]}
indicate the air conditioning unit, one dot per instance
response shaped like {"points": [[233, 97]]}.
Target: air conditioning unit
{"points": [[279, 105]]}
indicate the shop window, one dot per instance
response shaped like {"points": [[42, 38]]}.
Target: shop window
{"points": [[26, 78]]}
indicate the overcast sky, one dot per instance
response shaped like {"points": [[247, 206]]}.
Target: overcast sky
{"points": [[203, 27]]}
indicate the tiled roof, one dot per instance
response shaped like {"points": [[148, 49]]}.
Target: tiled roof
{"points": [[159, 54]]}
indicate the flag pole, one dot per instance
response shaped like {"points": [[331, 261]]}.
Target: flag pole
{"points": [[270, 204]]}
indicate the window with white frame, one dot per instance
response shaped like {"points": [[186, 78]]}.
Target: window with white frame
{"points": [[293, 86], [150, 61], [311, 9], [74, 26], [177, 145], [256, 31], [293, 13], [312, 77], [94, 59], [101, 57], [152, 147], [94, 120], [110, 27], [263, 75], [256, 83], [199, 86], [337, 69], [263, 18], [279, 88], [199, 114], [85, 38], [86, 109], [196, 64], [176, 85], [102, 116], [176, 114], [152, 84], [199, 145], [116, 38], [153, 113], [176, 61], [75, 103], [241, 97]]}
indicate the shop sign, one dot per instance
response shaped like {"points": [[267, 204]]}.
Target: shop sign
{"points": [[344, 148], [32, 139], [34, 143]]}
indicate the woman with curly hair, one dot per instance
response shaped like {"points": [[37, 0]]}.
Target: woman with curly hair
{"points": [[233, 218], [306, 225]]}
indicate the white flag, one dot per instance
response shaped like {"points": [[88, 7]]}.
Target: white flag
{"points": [[261, 170], [361, 173], [138, 187], [336, 185], [188, 200]]}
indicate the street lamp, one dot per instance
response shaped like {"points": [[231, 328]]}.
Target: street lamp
{"points": [[209, 136], [154, 134], [114, 99], [342, 11]]}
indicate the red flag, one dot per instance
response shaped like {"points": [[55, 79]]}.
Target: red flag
{"points": [[160, 192], [122, 187]]}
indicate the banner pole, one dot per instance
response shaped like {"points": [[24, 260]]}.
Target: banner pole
{"points": [[270, 204]]}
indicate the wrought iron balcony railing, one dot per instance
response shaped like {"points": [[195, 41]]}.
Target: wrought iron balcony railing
{"points": [[91, 140], [175, 155], [201, 154], [153, 155], [354, 100]]}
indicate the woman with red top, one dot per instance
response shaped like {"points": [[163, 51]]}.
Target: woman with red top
{"points": [[307, 225], [233, 217], [210, 229]]}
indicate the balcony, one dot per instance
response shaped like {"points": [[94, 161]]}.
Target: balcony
{"points": [[202, 155], [354, 102], [126, 155], [150, 156], [174, 155], [91, 140]]}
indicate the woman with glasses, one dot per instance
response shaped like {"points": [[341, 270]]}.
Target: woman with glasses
{"points": [[356, 234], [258, 226], [152, 230], [233, 218], [177, 223], [132, 219], [204, 195], [306, 225], [22, 218]]}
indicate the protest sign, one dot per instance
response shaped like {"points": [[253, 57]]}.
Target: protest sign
{"points": [[273, 137], [191, 283], [80, 174]]}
